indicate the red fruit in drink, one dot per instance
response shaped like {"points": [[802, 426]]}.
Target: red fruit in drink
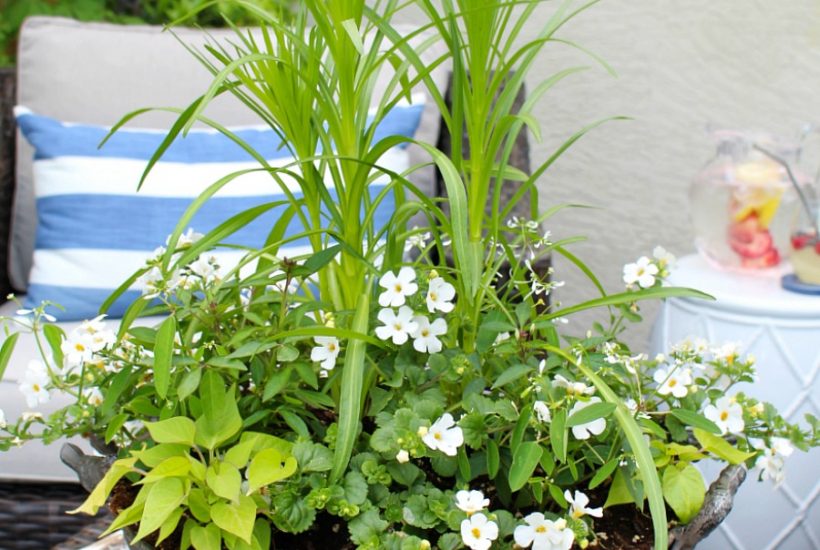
{"points": [[749, 240], [817, 247], [800, 240], [770, 259]]}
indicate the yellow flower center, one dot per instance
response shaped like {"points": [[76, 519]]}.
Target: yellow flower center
{"points": [[35, 387], [425, 332], [79, 347], [397, 326], [433, 296], [331, 347], [724, 415], [672, 382], [397, 288], [437, 436], [541, 529], [476, 532]]}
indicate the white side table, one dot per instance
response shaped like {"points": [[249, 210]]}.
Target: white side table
{"points": [[782, 330]]}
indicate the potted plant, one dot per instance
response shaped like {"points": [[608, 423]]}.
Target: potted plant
{"points": [[354, 398]]}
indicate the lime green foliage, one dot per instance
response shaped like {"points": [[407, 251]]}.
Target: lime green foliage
{"points": [[357, 383]]}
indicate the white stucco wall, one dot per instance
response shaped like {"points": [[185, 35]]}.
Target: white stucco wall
{"points": [[681, 66]]}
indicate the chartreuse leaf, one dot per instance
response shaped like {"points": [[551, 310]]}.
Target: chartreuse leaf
{"points": [[236, 518], [176, 466], [169, 525], [350, 399], [220, 418], [129, 516], [153, 456], [206, 538], [5, 352], [224, 480], [691, 418], [164, 497], [179, 429], [100, 493], [239, 454], [720, 447], [163, 354], [634, 436], [684, 490], [269, 466], [618, 491], [524, 462]]}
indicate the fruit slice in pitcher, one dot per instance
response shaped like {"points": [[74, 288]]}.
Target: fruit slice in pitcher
{"points": [[749, 240]]}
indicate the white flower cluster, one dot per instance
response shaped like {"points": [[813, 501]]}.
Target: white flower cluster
{"points": [[399, 326], [583, 396], [478, 532], [771, 462], [204, 269], [645, 272]]}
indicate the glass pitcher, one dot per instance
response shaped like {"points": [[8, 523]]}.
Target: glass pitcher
{"points": [[741, 200]]}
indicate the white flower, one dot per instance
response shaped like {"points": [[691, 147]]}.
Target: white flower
{"points": [[77, 350], [93, 396], [206, 268], [29, 416], [402, 456], [728, 352], [584, 431], [664, 257], [444, 435], [186, 239], [471, 501], [502, 337], [416, 240], [398, 327], [94, 333], [542, 364], [782, 447], [771, 467], [425, 337], [543, 534], [573, 388], [397, 287], [35, 383], [642, 272], [631, 405], [478, 532], [326, 351], [727, 414], [440, 295], [673, 380], [2, 419], [578, 505], [542, 412]]}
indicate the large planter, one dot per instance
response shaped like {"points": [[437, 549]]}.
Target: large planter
{"points": [[716, 506]]}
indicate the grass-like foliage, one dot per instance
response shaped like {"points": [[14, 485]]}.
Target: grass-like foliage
{"points": [[398, 387]]}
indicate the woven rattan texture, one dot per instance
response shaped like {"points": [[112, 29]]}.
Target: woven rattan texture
{"points": [[7, 133], [33, 516]]}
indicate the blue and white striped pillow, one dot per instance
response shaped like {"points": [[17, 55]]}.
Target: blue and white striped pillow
{"points": [[94, 229]]}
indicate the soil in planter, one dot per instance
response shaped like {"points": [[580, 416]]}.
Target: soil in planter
{"points": [[624, 528]]}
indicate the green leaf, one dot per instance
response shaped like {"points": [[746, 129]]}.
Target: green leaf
{"points": [[54, 336], [169, 525], [163, 354], [618, 491], [114, 426], [206, 538], [524, 463], [355, 487], [164, 497], [559, 435], [179, 429], [691, 418], [493, 458], [510, 375], [590, 413], [312, 457], [355, 36], [6, 351], [350, 400], [720, 447], [224, 479], [684, 490], [237, 519], [291, 513], [189, 383], [366, 528], [319, 260], [220, 418], [269, 466], [155, 455], [99, 495], [604, 472]]}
